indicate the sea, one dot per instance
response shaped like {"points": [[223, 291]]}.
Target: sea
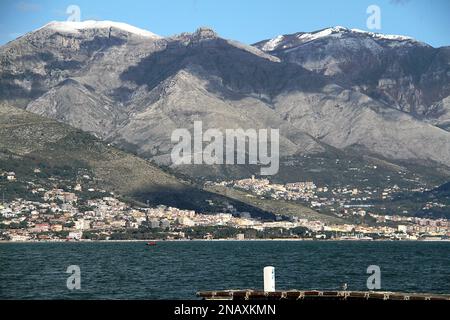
{"points": [[179, 269]]}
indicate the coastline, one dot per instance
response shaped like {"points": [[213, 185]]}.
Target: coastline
{"points": [[222, 240]]}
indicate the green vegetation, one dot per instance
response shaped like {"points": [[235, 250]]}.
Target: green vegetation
{"points": [[29, 141], [205, 232]]}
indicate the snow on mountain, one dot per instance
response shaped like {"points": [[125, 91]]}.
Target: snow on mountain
{"points": [[322, 33], [282, 41], [273, 43], [399, 71], [383, 36], [75, 26]]}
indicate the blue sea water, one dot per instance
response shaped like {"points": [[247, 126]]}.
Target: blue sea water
{"points": [[177, 270]]}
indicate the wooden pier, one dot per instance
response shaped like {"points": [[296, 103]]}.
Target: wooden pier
{"points": [[318, 295]]}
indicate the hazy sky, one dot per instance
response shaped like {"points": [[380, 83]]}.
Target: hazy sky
{"points": [[245, 20]]}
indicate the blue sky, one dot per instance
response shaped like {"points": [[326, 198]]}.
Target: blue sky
{"points": [[245, 20]]}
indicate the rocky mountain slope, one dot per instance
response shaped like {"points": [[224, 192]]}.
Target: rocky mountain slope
{"points": [[30, 141], [134, 89], [398, 71]]}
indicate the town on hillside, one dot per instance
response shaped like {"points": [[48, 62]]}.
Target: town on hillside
{"points": [[80, 211]]}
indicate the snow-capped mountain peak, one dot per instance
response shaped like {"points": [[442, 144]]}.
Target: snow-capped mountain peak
{"points": [[272, 44], [383, 36], [75, 27], [286, 41]]}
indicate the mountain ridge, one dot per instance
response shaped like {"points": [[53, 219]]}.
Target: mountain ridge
{"points": [[401, 72], [30, 141], [134, 92]]}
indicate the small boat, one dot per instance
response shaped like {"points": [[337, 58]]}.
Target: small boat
{"points": [[151, 243]]}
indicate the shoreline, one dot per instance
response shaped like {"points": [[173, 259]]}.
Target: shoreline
{"points": [[221, 240]]}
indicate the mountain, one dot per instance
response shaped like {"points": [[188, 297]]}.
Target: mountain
{"points": [[29, 141], [133, 89], [443, 189], [398, 71], [42, 59], [432, 203]]}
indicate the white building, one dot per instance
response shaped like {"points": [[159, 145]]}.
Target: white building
{"points": [[186, 221], [11, 176], [75, 235]]}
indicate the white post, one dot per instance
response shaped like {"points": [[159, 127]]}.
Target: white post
{"points": [[269, 279]]}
